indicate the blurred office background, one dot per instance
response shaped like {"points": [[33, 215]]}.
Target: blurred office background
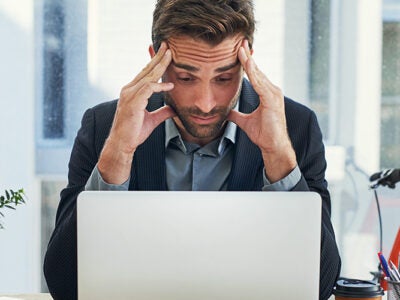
{"points": [[59, 57]]}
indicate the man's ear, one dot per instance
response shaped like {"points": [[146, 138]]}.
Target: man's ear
{"points": [[151, 51]]}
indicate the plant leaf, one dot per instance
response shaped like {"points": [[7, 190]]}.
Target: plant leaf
{"points": [[10, 200]]}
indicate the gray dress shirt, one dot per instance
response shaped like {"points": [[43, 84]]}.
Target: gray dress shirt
{"points": [[190, 167]]}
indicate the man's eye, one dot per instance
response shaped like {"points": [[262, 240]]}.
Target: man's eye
{"points": [[224, 79], [185, 79]]}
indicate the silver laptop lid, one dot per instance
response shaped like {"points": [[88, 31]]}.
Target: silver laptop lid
{"points": [[198, 245]]}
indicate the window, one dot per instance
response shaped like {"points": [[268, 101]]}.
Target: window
{"points": [[320, 62], [53, 70], [390, 114]]}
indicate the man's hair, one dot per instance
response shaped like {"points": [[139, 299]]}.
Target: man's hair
{"points": [[208, 20]]}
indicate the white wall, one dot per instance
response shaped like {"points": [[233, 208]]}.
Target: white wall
{"points": [[269, 39], [19, 241], [356, 127], [368, 85]]}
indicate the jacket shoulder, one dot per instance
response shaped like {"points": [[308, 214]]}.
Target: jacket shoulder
{"points": [[294, 107], [105, 109]]}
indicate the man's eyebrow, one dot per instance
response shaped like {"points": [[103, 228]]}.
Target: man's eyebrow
{"points": [[185, 67], [228, 67], [195, 69]]}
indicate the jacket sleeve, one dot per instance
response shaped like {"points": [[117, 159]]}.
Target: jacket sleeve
{"points": [[60, 262], [312, 164]]}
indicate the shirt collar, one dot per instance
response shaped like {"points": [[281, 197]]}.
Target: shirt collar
{"points": [[171, 131]]}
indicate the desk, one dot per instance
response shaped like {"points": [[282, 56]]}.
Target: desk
{"points": [[48, 297], [26, 297]]}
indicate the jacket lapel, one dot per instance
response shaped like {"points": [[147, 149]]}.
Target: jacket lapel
{"points": [[148, 169], [247, 162]]}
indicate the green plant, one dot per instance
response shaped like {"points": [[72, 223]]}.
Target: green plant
{"points": [[10, 200]]}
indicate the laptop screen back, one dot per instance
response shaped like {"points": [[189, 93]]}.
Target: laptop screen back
{"points": [[198, 245]]}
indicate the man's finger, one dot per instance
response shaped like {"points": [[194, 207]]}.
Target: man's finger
{"points": [[240, 119], [150, 88], [152, 77], [156, 73], [142, 93], [160, 115], [250, 68], [265, 78], [154, 62], [247, 48], [262, 85]]}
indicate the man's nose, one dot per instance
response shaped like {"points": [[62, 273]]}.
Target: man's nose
{"points": [[205, 99]]}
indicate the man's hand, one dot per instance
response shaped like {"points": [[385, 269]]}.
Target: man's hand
{"points": [[266, 126], [132, 123]]}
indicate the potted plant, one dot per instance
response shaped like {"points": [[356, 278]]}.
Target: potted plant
{"points": [[10, 199]]}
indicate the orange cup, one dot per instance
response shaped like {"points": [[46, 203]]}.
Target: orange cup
{"points": [[357, 289]]}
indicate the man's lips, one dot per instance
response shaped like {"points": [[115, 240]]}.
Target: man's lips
{"points": [[204, 120]]}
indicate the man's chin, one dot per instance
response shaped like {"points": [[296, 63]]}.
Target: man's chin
{"points": [[204, 131]]}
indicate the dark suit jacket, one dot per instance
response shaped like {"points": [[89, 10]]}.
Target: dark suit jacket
{"points": [[148, 173]]}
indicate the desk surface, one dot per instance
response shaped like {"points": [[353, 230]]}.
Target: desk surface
{"points": [[48, 297], [26, 297]]}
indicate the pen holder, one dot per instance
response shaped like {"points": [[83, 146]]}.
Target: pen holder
{"points": [[393, 289]]}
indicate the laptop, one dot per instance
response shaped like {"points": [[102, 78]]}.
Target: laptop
{"points": [[198, 245]]}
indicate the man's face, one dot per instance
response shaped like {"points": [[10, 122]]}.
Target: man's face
{"points": [[207, 81]]}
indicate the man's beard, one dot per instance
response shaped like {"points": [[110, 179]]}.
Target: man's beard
{"points": [[212, 130]]}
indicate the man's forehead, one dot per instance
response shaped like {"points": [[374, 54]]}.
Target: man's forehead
{"points": [[186, 48]]}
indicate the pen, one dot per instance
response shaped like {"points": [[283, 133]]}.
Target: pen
{"points": [[384, 265]]}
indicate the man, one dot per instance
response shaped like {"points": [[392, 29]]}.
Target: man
{"points": [[201, 127]]}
